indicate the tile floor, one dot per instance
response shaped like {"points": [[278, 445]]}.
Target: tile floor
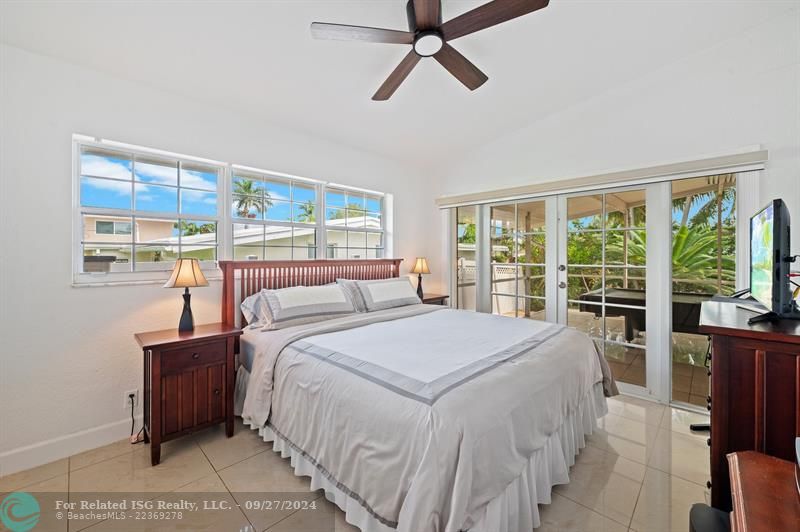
{"points": [[641, 471]]}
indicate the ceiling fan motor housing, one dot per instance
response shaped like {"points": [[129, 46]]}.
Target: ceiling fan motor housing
{"points": [[412, 17]]}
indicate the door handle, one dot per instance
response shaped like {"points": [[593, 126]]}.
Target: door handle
{"points": [[562, 284]]}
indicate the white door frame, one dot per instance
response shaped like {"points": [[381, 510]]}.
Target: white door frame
{"points": [[658, 205], [659, 250]]}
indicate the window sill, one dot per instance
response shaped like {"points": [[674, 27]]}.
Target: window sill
{"points": [[104, 281]]}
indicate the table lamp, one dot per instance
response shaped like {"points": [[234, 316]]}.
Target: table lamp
{"points": [[420, 267], [186, 274]]}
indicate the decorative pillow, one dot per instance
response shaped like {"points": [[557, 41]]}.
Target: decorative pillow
{"points": [[387, 293], [351, 288], [298, 305]]}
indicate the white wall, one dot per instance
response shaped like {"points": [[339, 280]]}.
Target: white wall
{"points": [[739, 93], [68, 354]]}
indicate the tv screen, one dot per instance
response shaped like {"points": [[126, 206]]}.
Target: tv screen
{"points": [[762, 247]]}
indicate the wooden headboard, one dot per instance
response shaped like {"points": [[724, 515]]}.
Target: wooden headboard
{"points": [[254, 275]]}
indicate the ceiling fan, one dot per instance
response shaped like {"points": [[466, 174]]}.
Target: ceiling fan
{"points": [[429, 37]]}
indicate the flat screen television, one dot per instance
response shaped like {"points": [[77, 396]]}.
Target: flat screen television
{"points": [[769, 259]]}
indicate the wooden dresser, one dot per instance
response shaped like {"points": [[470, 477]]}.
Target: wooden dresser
{"points": [[755, 389], [765, 497]]}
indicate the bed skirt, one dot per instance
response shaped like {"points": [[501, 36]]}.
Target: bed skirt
{"points": [[514, 510]]}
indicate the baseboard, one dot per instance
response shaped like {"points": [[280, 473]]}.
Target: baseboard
{"points": [[48, 451]]}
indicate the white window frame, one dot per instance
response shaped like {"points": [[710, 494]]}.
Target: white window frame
{"points": [[325, 227], [224, 217]]}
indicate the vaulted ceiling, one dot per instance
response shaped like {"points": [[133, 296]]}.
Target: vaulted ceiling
{"points": [[259, 58]]}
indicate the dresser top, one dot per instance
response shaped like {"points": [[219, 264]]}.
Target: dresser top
{"points": [[725, 318], [166, 337]]}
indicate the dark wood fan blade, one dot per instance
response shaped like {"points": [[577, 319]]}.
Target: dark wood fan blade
{"points": [[397, 76], [460, 67], [343, 32], [427, 13], [488, 15]]}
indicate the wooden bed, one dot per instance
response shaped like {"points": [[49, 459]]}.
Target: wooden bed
{"points": [[241, 279]]}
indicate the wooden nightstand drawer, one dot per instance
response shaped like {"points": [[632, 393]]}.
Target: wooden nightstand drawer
{"points": [[179, 360]]}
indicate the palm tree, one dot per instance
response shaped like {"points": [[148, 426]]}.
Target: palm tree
{"points": [[249, 197], [307, 212]]}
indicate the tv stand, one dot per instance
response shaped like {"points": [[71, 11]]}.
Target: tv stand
{"points": [[755, 389]]}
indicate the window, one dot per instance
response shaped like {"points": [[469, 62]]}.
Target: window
{"points": [[274, 218], [353, 224], [112, 228], [140, 212]]}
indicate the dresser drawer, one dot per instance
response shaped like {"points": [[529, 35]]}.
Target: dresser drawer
{"points": [[179, 360]]}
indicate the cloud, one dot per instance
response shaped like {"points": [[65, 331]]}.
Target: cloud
{"points": [[97, 165], [103, 167]]}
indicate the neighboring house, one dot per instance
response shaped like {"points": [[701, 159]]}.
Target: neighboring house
{"points": [[108, 242]]}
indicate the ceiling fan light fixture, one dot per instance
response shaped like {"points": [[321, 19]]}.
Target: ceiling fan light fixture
{"points": [[428, 43]]}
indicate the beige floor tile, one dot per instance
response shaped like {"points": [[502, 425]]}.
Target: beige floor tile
{"points": [[101, 454], [699, 386], [680, 396], [682, 383], [47, 493], [131, 475], [319, 516], [606, 483], [699, 400], [266, 476], [617, 369], [664, 503], [682, 369], [564, 515], [223, 451], [182, 462], [634, 375], [17, 481], [678, 420], [630, 439], [636, 409], [682, 456]]}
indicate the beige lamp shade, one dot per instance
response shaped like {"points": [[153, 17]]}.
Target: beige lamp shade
{"points": [[421, 266], [187, 274]]}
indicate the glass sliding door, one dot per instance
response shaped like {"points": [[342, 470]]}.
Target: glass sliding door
{"points": [[465, 260], [517, 242], [602, 276], [703, 264]]}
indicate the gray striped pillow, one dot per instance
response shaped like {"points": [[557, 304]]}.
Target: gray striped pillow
{"points": [[299, 305], [387, 293]]}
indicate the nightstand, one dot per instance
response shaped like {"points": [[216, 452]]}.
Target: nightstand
{"points": [[188, 382], [434, 299]]}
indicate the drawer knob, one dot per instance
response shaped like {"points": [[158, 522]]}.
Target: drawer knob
{"points": [[216, 391], [195, 355]]}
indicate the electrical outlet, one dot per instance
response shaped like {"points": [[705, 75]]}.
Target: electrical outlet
{"points": [[126, 400]]}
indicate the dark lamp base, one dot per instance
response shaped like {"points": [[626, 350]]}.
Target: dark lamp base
{"points": [[187, 320]]}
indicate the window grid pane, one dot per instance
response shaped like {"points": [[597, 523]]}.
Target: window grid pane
{"points": [[131, 185]]}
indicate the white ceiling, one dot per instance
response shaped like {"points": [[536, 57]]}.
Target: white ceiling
{"points": [[258, 57]]}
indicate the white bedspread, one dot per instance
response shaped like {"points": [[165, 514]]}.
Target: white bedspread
{"points": [[422, 415]]}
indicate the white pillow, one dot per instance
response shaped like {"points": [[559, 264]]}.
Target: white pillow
{"points": [[387, 293], [253, 309], [351, 287], [298, 305]]}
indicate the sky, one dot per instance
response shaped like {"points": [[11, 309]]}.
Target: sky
{"points": [[106, 182]]}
